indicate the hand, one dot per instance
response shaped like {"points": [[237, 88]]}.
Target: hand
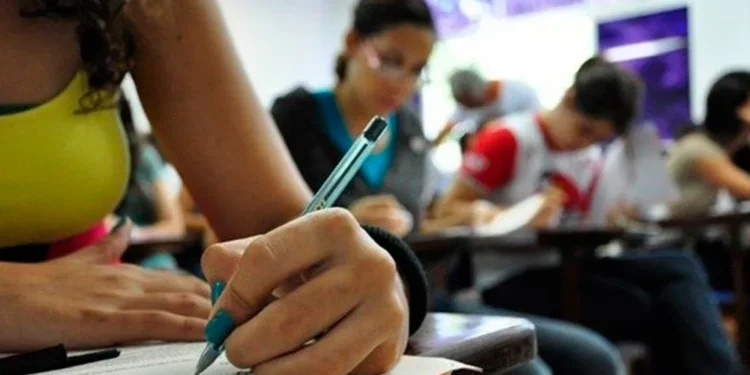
{"points": [[482, 212], [383, 211], [353, 293], [621, 213], [554, 201], [85, 301]]}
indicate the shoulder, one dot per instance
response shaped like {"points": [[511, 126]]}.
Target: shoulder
{"points": [[294, 108], [697, 145]]}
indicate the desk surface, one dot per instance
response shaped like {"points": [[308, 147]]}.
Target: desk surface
{"points": [[493, 343]]}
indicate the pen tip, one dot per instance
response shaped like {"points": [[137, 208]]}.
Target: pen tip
{"points": [[207, 358]]}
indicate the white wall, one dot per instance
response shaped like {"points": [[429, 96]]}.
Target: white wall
{"points": [[720, 40], [284, 43]]}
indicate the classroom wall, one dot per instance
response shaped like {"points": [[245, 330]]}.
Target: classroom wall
{"points": [[720, 41], [284, 43]]}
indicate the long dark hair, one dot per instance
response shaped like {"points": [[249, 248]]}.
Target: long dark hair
{"points": [[106, 47], [727, 95], [136, 144], [372, 17]]}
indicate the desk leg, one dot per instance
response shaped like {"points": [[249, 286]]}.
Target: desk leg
{"points": [[740, 289], [571, 286]]}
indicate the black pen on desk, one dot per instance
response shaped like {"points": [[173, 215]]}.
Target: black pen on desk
{"points": [[325, 197], [49, 359]]}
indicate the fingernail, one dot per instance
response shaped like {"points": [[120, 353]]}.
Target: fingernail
{"points": [[120, 223], [216, 289], [219, 328]]}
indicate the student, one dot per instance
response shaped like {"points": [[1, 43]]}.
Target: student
{"points": [[660, 299], [480, 100], [148, 202], [385, 52], [65, 165], [701, 164], [700, 161]]}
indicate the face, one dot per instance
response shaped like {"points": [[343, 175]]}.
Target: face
{"points": [[577, 131], [386, 68]]}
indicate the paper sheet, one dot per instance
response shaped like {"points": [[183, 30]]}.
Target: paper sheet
{"points": [[180, 359], [514, 218]]}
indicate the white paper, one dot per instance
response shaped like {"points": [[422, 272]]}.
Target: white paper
{"points": [[514, 218], [180, 359], [634, 172]]}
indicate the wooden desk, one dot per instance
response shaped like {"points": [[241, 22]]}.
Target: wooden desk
{"points": [[573, 245], [493, 343]]}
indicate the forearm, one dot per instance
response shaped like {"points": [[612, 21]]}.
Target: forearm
{"points": [[211, 124]]}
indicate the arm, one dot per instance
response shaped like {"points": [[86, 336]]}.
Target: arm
{"points": [[721, 172], [209, 121], [487, 166]]}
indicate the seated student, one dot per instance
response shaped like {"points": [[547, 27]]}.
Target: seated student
{"points": [[65, 166], [377, 73], [700, 161], [661, 299], [479, 100], [701, 164], [148, 203]]}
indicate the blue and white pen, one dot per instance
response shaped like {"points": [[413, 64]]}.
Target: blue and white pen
{"points": [[324, 198]]}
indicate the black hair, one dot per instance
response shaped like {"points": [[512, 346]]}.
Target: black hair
{"points": [[106, 48], [136, 144], [372, 17], [727, 95], [605, 91]]}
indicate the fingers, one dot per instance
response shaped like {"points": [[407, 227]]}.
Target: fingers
{"points": [[337, 353], [145, 325], [220, 261], [286, 324], [284, 252], [107, 250], [166, 282], [184, 304]]}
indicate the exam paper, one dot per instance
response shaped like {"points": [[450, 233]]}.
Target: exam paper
{"points": [[514, 218], [180, 359]]}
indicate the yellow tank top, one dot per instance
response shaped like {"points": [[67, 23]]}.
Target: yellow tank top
{"points": [[60, 170]]}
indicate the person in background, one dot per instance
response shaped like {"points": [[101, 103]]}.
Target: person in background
{"points": [[148, 203], [384, 54], [701, 164], [661, 299], [700, 161], [64, 161], [479, 100]]}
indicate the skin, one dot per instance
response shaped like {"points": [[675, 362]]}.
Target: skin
{"points": [[211, 125], [720, 171], [569, 130]]}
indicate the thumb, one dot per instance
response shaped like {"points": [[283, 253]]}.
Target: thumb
{"points": [[107, 250], [221, 260]]}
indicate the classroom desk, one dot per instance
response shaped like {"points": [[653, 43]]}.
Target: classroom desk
{"points": [[573, 245], [493, 343]]}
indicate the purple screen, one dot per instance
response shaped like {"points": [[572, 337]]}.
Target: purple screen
{"points": [[655, 47]]}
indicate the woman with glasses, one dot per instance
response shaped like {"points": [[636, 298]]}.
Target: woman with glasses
{"points": [[384, 55]]}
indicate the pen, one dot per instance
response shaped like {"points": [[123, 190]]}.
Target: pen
{"points": [[331, 189], [49, 359]]}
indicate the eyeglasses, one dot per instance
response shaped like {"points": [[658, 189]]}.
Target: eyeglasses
{"points": [[392, 68]]}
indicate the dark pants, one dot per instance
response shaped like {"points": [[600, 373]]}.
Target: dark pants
{"points": [[564, 348], [660, 299]]}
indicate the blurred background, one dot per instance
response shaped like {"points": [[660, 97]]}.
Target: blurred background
{"points": [[677, 46]]}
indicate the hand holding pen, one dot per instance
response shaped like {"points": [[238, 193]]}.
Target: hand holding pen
{"points": [[352, 292]]}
